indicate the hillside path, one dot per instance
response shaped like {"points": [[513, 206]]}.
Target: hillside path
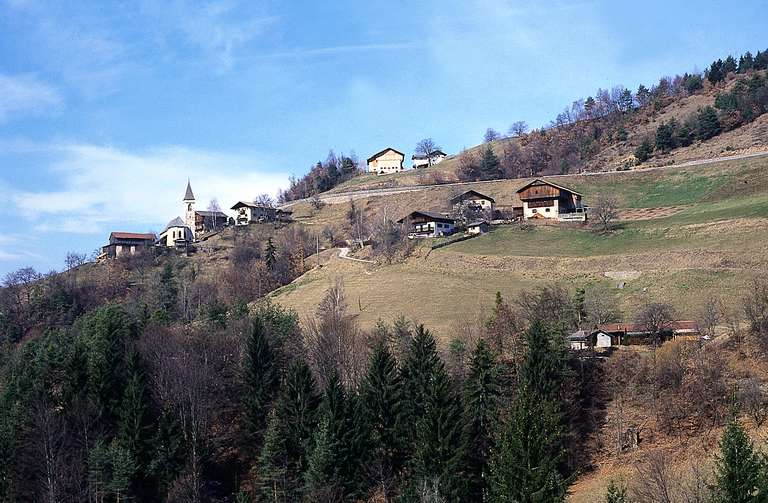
{"points": [[343, 197], [344, 253]]}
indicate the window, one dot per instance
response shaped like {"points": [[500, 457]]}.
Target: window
{"points": [[534, 210], [546, 210]]}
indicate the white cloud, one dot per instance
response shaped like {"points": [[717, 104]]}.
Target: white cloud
{"points": [[25, 94], [105, 188]]}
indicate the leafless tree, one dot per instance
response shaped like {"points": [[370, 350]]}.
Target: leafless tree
{"points": [[491, 135], [504, 330], [656, 317], [600, 305], [655, 480], [756, 310], [518, 128], [357, 223], [550, 303], [215, 208], [265, 200], [711, 315], [334, 341], [75, 260], [604, 212], [753, 400], [427, 147], [316, 203], [390, 238]]}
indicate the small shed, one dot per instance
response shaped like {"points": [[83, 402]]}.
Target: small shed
{"points": [[478, 227]]}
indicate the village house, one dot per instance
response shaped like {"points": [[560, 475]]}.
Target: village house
{"points": [[474, 200], [478, 227], [423, 161], [634, 333], [426, 224], [126, 243], [253, 212], [546, 200], [386, 161], [176, 234]]}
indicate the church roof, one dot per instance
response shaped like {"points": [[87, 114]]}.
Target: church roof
{"points": [[176, 222], [189, 196]]}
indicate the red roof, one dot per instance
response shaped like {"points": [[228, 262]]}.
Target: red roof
{"points": [[132, 235], [675, 326]]}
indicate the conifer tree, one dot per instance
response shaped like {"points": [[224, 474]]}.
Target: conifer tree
{"points": [[297, 410], [270, 254], [644, 150], [321, 462], [481, 398], [616, 493], [273, 462], [708, 124], [740, 473], [380, 405], [261, 378], [434, 411], [490, 167], [134, 421], [527, 464]]}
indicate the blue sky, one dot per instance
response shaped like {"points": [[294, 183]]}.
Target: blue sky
{"points": [[107, 107]]}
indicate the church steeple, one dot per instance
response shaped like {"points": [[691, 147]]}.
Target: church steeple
{"points": [[189, 196], [190, 215]]}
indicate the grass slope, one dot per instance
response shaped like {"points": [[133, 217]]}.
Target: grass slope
{"points": [[713, 244]]}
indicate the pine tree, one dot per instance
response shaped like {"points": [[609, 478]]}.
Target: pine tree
{"points": [[665, 137], [261, 378], [273, 462], [297, 408], [481, 397], [527, 465], [729, 65], [134, 421], [270, 254], [616, 493], [435, 414], [381, 410], [321, 462], [708, 124], [490, 167], [741, 472], [644, 150], [168, 292]]}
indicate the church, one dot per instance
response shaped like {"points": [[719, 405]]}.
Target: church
{"points": [[195, 224]]}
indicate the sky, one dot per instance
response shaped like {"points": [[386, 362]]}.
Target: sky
{"points": [[107, 107]]}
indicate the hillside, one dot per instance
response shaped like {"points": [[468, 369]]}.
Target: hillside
{"points": [[607, 153], [687, 233]]}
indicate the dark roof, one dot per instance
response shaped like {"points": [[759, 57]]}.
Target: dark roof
{"points": [[434, 154], [132, 235], [480, 195], [212, 213], [429, 214], [176, 222], [675, 326], [241, 204], [189, 196], [377, 154], [477, 222], [545, 182]]}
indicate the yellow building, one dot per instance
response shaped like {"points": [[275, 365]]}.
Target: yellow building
{"points": [[386, 161]]}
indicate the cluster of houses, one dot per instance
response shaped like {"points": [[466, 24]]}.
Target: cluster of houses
{"points": [[608, 335], [196, 225], [474, 211], [390, 160]]}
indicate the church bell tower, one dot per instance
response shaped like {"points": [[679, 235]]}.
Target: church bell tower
{"points": [[189, 209]]}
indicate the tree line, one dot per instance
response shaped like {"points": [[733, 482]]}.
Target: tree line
{"points": [[321, 177]]}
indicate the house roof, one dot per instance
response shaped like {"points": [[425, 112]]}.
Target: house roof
{"points": [[244, 204], [546, 182], [380, 152], [429, 214], [189, 196], [176, 222], [132, 235], [477, 222], [436, 153], [470, 192], [212, 213], [675, 326]]}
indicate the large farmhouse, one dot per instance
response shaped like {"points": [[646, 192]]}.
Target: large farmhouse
{"points": [[474, 200], [423, 160], [253, 212], [543, 199], [386, 161], [126, 243], [427, 224]]}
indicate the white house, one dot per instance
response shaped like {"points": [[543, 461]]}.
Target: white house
{"points": [[176, 234], [427, 224], [422, 160], [252, 212], [547, 200]]}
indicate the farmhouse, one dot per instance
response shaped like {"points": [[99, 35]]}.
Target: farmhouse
{"points": [[126, 243], [252, 212], [473, 200], [634, 333], [547, 200], [428, 224], [422, 160], [386, 161]]}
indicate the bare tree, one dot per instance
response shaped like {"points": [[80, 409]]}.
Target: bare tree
{"points": [[756, 310], [491, 135], [215, 208], [427, 147], [655, 318], [334, 342], [605, 212], [600, 305], [753, 400], [75, 260], [316, 203], [518, 128], [711, 315], [654, 481], [357, 223], [264, 200]]}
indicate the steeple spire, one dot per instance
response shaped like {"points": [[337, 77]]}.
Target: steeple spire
{"points": [[189, 196]]}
